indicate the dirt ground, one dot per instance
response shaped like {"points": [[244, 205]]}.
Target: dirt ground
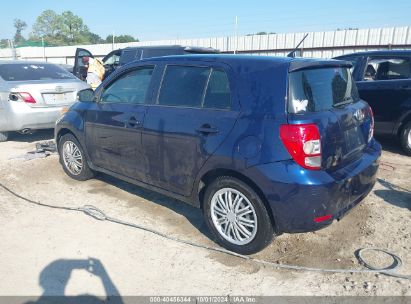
{"points": [[46, 251]]}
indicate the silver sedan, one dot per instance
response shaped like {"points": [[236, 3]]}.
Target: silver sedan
{"points": [[33, 94]]}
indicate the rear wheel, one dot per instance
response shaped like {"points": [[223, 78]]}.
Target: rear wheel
{"points": [[73, 158], [406, 138], [236, 216], [4, 136]]}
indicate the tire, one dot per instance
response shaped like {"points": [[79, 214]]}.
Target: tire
{"points": [[405, 138], [70, 151], [234, 239], [4, 136]]}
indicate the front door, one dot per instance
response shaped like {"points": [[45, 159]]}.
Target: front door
{"points": [[192, 117], [81, 63], [113, 126]]}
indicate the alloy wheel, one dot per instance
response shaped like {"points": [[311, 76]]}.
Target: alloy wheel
{"points": [[233, 216]]}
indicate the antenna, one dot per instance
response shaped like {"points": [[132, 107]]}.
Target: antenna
{"points": [[292, 53]]}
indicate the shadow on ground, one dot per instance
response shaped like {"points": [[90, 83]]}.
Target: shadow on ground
{"points": [[192, 214], [35, 136], [394, 194], [391, 145], [55, 277]]}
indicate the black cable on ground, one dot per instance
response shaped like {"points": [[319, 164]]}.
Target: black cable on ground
{"points": [[97, 214]]}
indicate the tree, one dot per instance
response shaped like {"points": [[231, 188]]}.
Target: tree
{"points": [[94, 38], [261, 33], [73, 30], [20, 26], [121, 39], [4, 43]]}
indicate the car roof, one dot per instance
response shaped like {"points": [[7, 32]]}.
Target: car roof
{"points": [[380, 52], [234, 60], [172, 47], [14, 61]]}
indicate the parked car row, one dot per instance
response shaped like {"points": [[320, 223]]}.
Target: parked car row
{"points": [[120, 57], [32, 95], [384, 81], [262, 145]]}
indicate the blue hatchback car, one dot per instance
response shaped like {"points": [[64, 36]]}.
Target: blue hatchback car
{"points": [[262, 145]]}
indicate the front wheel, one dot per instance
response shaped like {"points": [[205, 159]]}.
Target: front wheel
{"points": [[406, 138], [73, 158], [237, 216]]}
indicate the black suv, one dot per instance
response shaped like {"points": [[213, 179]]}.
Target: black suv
{"points": [[384, 81], [121, 57]]}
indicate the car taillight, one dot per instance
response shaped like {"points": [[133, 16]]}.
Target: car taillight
{"points": [[22, 96], [303, 142], [371, 132]]}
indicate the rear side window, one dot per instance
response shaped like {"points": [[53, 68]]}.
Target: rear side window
{"points": [[130, 88], [315, 90], [38, 71], [218, 91], [198, 87], [183, 86], [387, 69]]}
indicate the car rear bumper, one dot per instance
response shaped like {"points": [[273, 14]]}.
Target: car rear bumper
{"points": [[16, 116], [306, 200]]}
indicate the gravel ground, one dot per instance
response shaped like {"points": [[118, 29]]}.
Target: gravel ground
{"points": [[53, 252]]}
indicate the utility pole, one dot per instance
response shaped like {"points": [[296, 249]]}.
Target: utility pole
{"points": [[44, 49], [112, 44], [235, 34]]}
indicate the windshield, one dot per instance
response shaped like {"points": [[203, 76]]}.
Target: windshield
{"points": [[315, 90], [37, 71]]}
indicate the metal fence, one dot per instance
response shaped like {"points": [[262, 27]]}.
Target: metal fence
{"points": [[318, 44]]}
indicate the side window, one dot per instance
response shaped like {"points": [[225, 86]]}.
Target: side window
{"points": [[183, 86], [218, 91], [380, 68], [129, 88]]}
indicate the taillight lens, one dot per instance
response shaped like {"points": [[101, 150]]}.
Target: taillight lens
{"points": [[371, 132], [303, 142], [22, 96]]}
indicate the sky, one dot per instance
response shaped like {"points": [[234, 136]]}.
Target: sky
{"points": [[162, 19]]}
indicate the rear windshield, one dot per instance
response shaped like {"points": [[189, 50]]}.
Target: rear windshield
{"points": [[25, 72], [320, 89]]}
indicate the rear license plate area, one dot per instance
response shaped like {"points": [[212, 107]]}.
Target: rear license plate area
{"points": [[354, 139], [57, 98]]}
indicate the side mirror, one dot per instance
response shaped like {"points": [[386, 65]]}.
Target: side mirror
{"points": [[86, 95]]}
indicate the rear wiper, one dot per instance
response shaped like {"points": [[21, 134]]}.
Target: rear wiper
{"points": [[346, 100]]}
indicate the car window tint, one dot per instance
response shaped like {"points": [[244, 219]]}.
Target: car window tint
{"points": [[33, 71], [183, 86], [130, 88], [387, 69], [314, 90], [218, 91]]}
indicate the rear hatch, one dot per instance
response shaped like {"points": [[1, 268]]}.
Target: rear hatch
{"points": [[41, 84], [324, 94]]}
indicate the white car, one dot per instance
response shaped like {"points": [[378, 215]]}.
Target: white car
{"points": [[32, 95]]}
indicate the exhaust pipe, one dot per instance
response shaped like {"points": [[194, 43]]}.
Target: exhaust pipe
{"points": [[26, 131]]}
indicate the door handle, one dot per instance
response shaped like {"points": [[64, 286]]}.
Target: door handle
{"points": [[133, 122], [207, 129]]}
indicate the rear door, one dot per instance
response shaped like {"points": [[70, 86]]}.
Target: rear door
{"points": [[193, 115], [81, 63], [328, 97], [113, 125], [386, 85]]}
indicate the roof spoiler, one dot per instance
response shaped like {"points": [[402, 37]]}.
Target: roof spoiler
{"points": [[297, 65]]}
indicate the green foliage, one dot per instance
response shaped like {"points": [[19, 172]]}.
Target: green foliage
{"points": [[59, 29], [20, 26], [121, 39], [261, 33], [4, 43]]}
